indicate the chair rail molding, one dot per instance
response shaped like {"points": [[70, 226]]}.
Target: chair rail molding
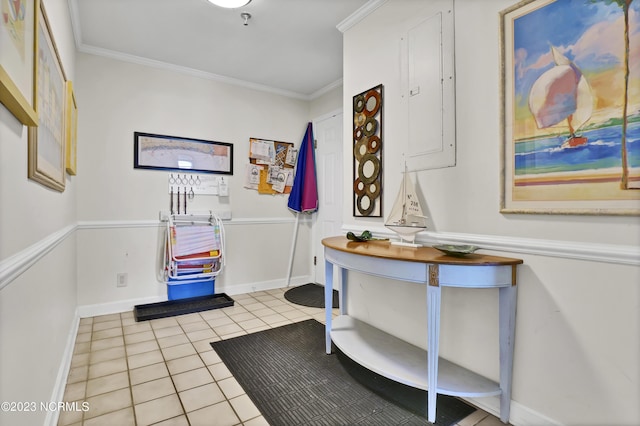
{"points": [[596, 252], [13, 266], [106, 224]]}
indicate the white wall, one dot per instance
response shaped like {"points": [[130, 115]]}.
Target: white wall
{"points": [[37, 303], [577, 337], [59, 252], [119, 98], [327, 102], [578, 324], [118, 205]]}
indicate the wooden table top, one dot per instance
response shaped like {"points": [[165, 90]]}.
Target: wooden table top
{"points": [[384, 249]]}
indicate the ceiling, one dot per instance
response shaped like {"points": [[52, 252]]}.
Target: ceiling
{"points": [[290, 47]]}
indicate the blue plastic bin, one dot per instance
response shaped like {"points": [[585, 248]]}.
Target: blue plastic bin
{"points": [[183, 289]]}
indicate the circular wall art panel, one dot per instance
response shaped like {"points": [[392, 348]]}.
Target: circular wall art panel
{"points": [[367, 152]]}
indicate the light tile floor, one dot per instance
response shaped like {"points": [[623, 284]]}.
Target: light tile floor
{"points": [[164, 372]]}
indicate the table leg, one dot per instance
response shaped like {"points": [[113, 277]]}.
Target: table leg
{"points": [[433, 331], [507, 302], [328, 303], [343, 291]]}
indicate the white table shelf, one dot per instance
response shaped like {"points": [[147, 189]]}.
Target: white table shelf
{"points": [[398, 360], [403, 362]]}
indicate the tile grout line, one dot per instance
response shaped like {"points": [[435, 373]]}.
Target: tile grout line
{"points": [[221, 390], [302, 314], [184, 410], [126, 360]]}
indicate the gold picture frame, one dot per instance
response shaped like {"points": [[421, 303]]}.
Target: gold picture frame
{"points": [[570, 130], [47, 141], [17, 47], [71, 123]]}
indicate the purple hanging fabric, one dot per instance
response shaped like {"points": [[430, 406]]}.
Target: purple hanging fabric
{"points": [[304, 193]]}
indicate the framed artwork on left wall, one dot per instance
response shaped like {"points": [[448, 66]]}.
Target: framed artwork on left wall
{"points": [[17, 41], [47, 141], [71, 122]]}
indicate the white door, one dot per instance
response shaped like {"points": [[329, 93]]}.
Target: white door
{"points": [[328, 222]]}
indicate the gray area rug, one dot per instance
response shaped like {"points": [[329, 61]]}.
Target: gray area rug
{"points": [[311, 295], [291, 380]]}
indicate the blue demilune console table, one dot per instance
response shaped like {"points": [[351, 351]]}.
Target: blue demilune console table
{"points": [[401, 361]]}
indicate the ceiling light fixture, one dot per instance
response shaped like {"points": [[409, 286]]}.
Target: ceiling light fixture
{"points": [[230, 4]]}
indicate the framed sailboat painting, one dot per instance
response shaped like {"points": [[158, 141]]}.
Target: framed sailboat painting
{"points": [[570, 88]]}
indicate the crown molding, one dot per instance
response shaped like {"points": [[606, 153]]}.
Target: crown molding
{"points": [[325, 89], [188, 71], [74, 14], [92, 50], [359, 14]]}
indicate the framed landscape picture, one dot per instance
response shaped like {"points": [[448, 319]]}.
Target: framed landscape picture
{"points": [[570, 87], [174, 153]]}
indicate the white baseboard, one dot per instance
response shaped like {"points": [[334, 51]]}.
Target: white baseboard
{"points": [[86, 311], [520, 415], [263, 285], [63, 372]]}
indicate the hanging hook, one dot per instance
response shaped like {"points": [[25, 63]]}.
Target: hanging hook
{"points": [[178, 200], [185, 199], [171, 201]]}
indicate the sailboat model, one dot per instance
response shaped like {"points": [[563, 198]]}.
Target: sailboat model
{"points": [[406, 218], [560, 93]]}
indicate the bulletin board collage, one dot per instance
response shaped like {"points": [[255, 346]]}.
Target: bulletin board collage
{"points": [[271, 166]]}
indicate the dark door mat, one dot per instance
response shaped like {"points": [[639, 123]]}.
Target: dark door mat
{"points": [[311, 295], [291, 380], [172, 308]]}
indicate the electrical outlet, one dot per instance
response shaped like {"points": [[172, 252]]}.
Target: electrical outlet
{"points": [[121, 279]]}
